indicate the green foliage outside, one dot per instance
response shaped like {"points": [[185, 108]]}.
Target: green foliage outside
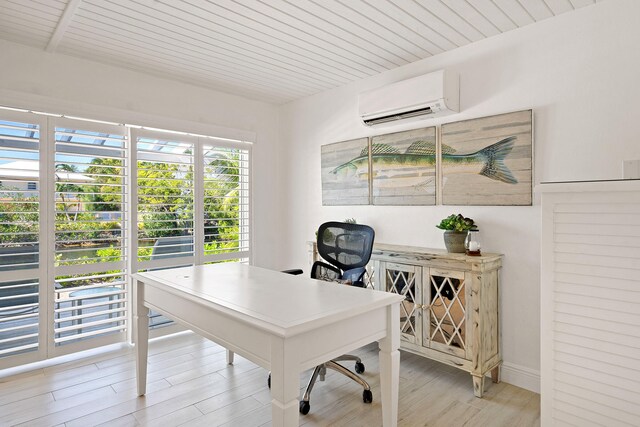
{"points": [[85, 211]]}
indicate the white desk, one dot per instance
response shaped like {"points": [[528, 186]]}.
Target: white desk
{"points": [[284, 323]]}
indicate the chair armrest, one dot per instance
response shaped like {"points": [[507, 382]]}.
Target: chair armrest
{"points": [[295, 271]]}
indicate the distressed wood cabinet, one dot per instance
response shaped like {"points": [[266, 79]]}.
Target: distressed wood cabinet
{"points": [[450, 312]]}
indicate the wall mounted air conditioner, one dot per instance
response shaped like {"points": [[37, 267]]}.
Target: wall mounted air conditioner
{"points": [[421, 97]]}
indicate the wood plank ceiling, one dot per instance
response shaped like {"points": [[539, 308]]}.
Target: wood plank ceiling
{"points": [[269, 50]]}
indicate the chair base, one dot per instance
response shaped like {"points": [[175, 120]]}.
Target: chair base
{"points": [[320, 371]]}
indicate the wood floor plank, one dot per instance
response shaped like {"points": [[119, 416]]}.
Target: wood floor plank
{"points": [[190, 384]]}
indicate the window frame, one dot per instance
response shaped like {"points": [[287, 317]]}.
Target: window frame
{"points": [[46, 271]]}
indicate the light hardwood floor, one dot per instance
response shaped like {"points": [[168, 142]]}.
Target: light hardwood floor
{"points": [[189, 383]]}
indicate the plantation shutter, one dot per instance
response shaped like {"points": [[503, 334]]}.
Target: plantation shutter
{"points": [[226, 203], [165, 203], [90, 174], [19, 234]]}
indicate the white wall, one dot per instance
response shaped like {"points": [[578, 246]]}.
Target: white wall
{"points": [[33, 79], [578, 72]]}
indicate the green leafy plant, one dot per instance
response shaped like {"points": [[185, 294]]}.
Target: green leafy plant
{"points": [[350, 221], [457, 223]]}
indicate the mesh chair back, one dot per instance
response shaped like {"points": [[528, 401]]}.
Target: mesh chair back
{"points": [[347, 246]]}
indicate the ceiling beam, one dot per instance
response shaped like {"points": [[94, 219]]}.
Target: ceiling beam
{"points": [[63, 24]]}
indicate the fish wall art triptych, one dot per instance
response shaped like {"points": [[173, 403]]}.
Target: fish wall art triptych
{"points": [[484, 161]]}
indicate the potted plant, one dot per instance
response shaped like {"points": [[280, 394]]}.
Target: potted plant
{"points": [[455, 231]]}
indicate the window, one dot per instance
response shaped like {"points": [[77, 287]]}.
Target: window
{"points": [[90, 243], [85, 204], [19, 236], [226, 203]]}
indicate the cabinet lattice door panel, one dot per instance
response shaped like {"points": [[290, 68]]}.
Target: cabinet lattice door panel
{"points": [[405, 280], [447, 323]]}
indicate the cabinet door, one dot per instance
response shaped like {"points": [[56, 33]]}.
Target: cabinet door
{"points": [[405, 280], [445, 320]]}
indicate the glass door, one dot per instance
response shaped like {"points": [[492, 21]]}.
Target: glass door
{"points": [[21, 296], [405, 280], [90, 201], [447, 315]]}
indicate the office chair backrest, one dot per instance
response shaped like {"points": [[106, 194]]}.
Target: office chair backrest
{"points": [[345, 245]]}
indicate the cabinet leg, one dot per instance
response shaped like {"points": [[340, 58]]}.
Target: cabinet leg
{"points": [[478, 385], [495, 374]]}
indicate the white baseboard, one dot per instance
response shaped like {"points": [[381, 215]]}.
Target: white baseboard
{"points": [[521, 376]]}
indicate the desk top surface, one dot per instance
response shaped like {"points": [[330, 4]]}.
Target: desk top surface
{"points": [[281, 303]]}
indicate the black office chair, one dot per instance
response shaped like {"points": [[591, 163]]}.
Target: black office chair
{"points": [[346, 248]]}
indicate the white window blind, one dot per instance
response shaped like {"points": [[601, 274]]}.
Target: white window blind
{"points": [[165, 199], [19, 237], [90, 244], [165, 189], [226, 203], [85, 203]]}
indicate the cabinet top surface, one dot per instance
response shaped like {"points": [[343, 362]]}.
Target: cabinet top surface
{"points": [[384, 248]]}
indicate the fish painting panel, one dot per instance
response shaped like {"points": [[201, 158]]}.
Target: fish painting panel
{"points": [[345, 172], [403, 168], [488, 161]]}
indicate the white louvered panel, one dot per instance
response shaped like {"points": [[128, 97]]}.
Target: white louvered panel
{"points": [[20, 228], [615, 361], [226, 203], [595, 283], [579, 329], [575, 370], [596, 313], [594, 260], [599, 293], [595, 411], [588, 321], [590, 270], [598, 250], [623, 407], [571, 419], [589, 384], [590, 302], [90, 233]]}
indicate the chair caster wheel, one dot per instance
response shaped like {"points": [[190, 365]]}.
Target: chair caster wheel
{"points": [[269, 381], [367, 396], [359, 367], [304, 407]]}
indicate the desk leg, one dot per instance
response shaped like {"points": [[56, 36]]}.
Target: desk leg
{"points": [[229, 357], [285, 385], [389, 357], [140, 336]]}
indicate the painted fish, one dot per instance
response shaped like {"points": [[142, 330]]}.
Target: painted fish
{"points": [[388, 162]]}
